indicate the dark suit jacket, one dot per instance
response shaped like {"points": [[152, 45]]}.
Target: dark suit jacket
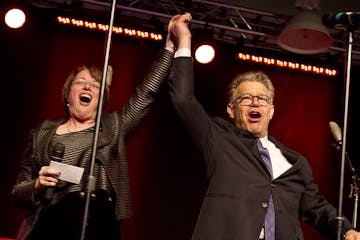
{"points": [[239, 187], [116, 127]]}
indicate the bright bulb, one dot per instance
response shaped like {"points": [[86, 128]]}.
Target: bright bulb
{"points": [[204, 54], [15, 18]]}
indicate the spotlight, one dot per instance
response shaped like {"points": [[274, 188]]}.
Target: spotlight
{"points": [[204, 45], [204, 54], [305, 34], [15, 18]]}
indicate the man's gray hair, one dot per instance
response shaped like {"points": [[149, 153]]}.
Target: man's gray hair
{"points": [[256, 76]]}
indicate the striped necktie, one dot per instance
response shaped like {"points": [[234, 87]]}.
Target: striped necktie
{"points": [[269, 224]]}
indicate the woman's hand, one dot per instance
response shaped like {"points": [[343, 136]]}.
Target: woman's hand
{"points": [[179, 35], [48, 177]]}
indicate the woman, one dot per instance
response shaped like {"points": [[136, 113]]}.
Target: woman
{"points": [[55, 207]]}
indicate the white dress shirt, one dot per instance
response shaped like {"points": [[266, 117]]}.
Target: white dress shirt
{"points": [[278, 162]]}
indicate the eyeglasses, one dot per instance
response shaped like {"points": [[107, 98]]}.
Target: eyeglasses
{"points": [[83, 82], [247, 100]]}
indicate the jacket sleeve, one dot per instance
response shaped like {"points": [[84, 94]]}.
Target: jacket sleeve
{"points": [[139, 104], [23, 191], [318, 212], [191, 113]]}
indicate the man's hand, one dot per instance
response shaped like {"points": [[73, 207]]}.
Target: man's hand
{"points": [[179, 30], [352, 235]]}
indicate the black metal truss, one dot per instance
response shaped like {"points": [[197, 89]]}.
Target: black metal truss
{"points": [[229, 23]]}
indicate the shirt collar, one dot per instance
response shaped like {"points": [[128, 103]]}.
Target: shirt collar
{"points": [[264, 141]]}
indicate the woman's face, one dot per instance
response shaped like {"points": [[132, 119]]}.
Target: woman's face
{"points": [[84, 96]]}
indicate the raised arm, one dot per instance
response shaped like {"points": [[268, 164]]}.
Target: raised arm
{"points": [[191, 113], [140, 103]]}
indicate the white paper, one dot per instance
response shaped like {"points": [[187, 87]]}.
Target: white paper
{"points": [[69, 173]]}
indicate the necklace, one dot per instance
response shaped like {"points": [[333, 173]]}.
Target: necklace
{"points": [[68, 128]]}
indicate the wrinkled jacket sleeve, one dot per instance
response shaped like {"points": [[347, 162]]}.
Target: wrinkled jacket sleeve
{"points": [[23, 191], [191, 113], [317, 212], [145, 95]]}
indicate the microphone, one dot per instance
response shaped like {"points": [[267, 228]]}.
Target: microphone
{"points": [[336, 132], [342, 18], [109, 75], [57, 155]]}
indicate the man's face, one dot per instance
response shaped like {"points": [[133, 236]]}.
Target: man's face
{"points": [[253, 109]]}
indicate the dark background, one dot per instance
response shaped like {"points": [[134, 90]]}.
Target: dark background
{"points": [[166, 175]]}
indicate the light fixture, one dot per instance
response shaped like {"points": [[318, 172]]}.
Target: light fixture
{"points": [[15, 18], [308, 68], [104, 27], [204, 54], [305, 34], [203, 42]]}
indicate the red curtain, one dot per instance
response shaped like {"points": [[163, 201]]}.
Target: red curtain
{"points": [[166, 175]]}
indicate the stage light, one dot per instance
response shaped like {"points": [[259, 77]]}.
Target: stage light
{"points": [[203, 44], [104, 27], [305, 34], [204, 54], [288, 64], [15, 18]]}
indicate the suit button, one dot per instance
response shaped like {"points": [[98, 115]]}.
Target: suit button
{"points": [[264, 204], [273, 185]]}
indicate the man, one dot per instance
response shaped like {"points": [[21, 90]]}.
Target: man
{"points": [[254, 180]]}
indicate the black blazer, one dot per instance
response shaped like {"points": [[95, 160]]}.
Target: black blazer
{"points": [[239, 187]]}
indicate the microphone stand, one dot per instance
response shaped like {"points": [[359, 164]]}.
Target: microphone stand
{"points": [[91, 181], [355, 194], [354, 187], [340, 217], [354, 190]]}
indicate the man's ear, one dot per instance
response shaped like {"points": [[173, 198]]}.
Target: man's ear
{"points": [[230, 111], [272, 110]]}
